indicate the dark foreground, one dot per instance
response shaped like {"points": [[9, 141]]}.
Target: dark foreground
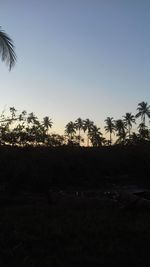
{"points": [[40, 229]]}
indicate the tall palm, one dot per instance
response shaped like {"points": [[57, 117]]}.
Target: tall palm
{"points": [[121, 130], [47, 123], [95, 136], [13, 112], [79, 126], [143, 111], [110, 127], [143, 131], [31, 118], [70, 130], [128, 120], [87, 126], [7, 49]]}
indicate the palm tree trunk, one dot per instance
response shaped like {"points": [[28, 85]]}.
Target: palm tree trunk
{"points": [[129, 131], [79, 136], [110, 139], [144, 120], [88, 139]]}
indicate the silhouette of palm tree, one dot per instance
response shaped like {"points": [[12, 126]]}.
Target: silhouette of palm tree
{"points": [[143, 111], [22, 116], [31, 118], [134, 138], [7, 49], [110, 127], [79, 126], [143, 131], [87, 126], [95, 136], [120, 128], [128, 120], [70, 130], [47, 123], [13, 112]]}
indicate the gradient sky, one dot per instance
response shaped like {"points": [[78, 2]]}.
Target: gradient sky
{"points": [[77, 58]]}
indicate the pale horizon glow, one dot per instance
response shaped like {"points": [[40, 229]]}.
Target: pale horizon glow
{"points": [[83, 58]]}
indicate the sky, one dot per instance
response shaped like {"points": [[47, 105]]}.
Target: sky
{"points": [[76, 58]]}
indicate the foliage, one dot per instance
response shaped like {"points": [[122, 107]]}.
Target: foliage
{"points": [[7, 49], [25, 129]]}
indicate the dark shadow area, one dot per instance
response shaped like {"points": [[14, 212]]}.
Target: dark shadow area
{"points": [[69, 206]]}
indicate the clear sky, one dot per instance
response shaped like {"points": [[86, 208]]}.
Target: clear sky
{"points": [[77, 58]]}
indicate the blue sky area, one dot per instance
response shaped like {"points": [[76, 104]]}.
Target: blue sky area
{"points": [[77, 58]]}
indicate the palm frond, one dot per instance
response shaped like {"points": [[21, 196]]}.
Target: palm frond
{"points": [[7, 50]]}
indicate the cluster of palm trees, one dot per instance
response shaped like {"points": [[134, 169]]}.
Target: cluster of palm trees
{"points": [[73, 132], [26, 129], [121, 129]]}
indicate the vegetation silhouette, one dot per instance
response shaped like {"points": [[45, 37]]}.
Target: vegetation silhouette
{"points": [[143, 111], [128, 120], [87, 127], [25, 129], [110, 127]]}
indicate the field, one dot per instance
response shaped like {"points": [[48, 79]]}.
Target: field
{"points": [[57, 207]]}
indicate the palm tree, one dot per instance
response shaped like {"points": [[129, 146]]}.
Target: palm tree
{"points": [[110, 127], [31, 118], [87, 126], [7, 49], [13, 112], [120, 128], [70, 130], [47, 123], [95, 136], [143, 111], [128, 120], [79, 126], [143, 131]]}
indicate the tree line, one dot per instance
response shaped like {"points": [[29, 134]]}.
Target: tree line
{"points": [[25, 129]]}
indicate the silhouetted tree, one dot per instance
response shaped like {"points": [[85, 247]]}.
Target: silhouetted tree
{"points": [[110, 127], [7, 49], [13, 112], [34, 129], [70, 130], [79, 126], [22, 116], [121, 133], [134, 138], [128, 120], [87, 126], [143, 111], [95, 136], [143, 131], [47, 123], [55, 140]]}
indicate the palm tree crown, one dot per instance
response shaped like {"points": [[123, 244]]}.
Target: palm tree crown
{"points": [[7, 49], [95, 136], [87, 126], [128, 120], [110, 127], [143, 111], [120, 128], [70, 129], [79, 127], [47, 123]]}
